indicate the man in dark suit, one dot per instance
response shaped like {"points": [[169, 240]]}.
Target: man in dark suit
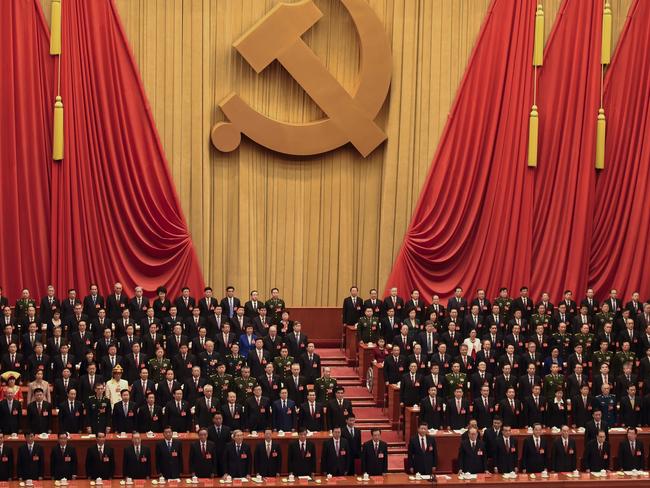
{"points": [[338, 409], [296, 341], [49, 303], [353, 436], [165, 389], [310, 364], [178, 413], [284, 412], [523, 303], [258, 411], [311, 415], [352, 306], [150, 415], [39, 414], [251, 307], [136, 462], [141, 388], [506, 454], [100, 459], [134, 362], [6, 460], [169, 456], [593, 426], [205, 407], [410, 386], [138, 305], [31, 459], [431, 409], [631, 454], [374, 455], [233, 412], [335, 458], [534, 453], [564, 456], [63, 459], [268, 456], [237, 456], [62, 386], [203, 456], [185, 303], [472, 456], [93, 302], [581, 407], [596, 456], [422, 452], [457, 410], [124, 414], [230, 303], [221, 435], [116, 303], [71, 414], [395, 302], [208, 303], [629, 408], [301, 459], [458, 302]]}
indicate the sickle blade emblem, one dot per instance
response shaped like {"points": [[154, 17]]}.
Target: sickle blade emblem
{"points": [[350, 116]]}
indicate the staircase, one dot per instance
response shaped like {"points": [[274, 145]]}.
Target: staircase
{"points": [[367, 412]]}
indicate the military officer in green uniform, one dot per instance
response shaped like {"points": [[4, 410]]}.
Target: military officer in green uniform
{"points": [[584, 338], [505, 304], [540, 318], [455, 379], [562, 339], [368, 327], [158, 366], [553, 382], [234, 361], [602, 356], [282, 364], [223, 383], [23, 303], [325, 386], [603, 317], [97, 410], [275, 306], [243, 385], [621, 357]]}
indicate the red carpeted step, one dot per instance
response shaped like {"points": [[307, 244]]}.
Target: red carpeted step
{"points": [[329, 352], [396, 463]]}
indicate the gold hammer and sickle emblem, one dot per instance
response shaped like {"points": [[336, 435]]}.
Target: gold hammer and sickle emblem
{"points": [[350, 116]]}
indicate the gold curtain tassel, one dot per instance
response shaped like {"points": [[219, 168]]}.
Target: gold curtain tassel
{"points": [[55, 28], [533, 136], [606, 47], [57, 140], [600, 139], [538, 47]]}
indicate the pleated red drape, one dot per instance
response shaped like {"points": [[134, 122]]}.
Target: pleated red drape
{"points": [[473, 224], [620, 256], [25, 147], [114, 204], [484, 219]]}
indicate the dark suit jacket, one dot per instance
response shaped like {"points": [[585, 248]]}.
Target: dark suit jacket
{"points": [[6, 463], [202, 414], [138, 394], [220, 440], [42, 423], [298, 464], [114, 307], [225, 306], [310, 369], [371, 463], [148, 422], [71, 421], [258, 417], [136, 467], [30, 466], [351, 313], [63, 464], [628, 460], [124, 423], [268, 465], [434, 417], [90, 309], [179, 420], [203, 465], [534, 461], [313, 423], [169, 462], [331, 463], [235, 421], [505, 461], [235, 465], [594, 460], [337, 415], [354, 443], [100, 467], [423, 462], [561, 460], [284, 418], [472, 460], [10, 420]]}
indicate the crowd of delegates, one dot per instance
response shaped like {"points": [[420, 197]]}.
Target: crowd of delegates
{"points": [[129, 364], [520, 362]]}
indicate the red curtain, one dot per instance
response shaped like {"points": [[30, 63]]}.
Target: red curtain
{"points": [[473, 223], [560, 225], [25, 147], [114, 204], [620, 256]]}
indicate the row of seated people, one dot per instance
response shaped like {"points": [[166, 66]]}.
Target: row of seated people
{"points": [[497, 450], [246, 403], [503, 308], [218, 451]]}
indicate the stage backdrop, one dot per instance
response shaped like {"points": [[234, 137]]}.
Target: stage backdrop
{"points": [[311, 227]]}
